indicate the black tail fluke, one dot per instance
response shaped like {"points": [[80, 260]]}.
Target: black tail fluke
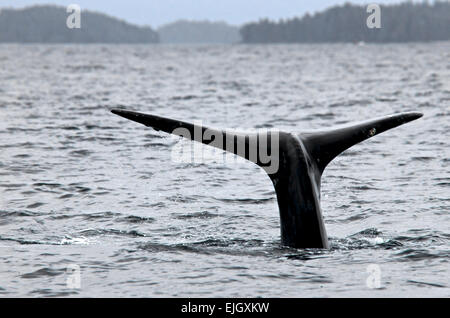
{"points": [[295, 164], [324, 146], [249, 145]]}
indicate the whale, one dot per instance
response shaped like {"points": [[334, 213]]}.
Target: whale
{"points": [[298, 160]]}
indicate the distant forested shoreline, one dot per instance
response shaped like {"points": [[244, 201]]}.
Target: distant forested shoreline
{"points": [[48, 24], [406, 22], [183, 31]]}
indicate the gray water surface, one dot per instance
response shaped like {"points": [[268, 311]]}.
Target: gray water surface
{"points": [[82, 187]]}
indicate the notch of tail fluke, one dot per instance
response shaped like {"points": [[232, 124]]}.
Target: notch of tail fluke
{"points": [[325, 145]]}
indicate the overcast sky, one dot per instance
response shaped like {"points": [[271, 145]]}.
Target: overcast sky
{"points": [[158, 12]]}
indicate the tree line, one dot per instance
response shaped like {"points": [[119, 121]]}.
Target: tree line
{"points": [[47, 24], [405, 22]]}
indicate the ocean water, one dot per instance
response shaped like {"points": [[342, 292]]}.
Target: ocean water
{"points": [[93, 205]]}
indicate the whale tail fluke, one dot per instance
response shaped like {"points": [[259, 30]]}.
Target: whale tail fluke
{"points": [[237, 142], [324, 146], [295, 164]]}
